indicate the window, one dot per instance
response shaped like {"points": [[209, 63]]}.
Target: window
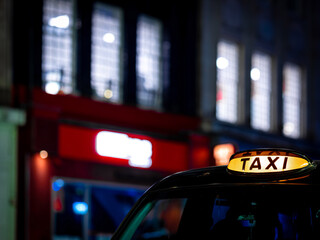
{"points": [[89, 210], [106, 64], [261, 92], [218, 212], [163, 219], [292, 100], [57, 48], [148, 66], [227, 82]]}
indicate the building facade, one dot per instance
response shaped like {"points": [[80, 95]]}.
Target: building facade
{"points": [[109, 95], [103, 98], [258, 78]]}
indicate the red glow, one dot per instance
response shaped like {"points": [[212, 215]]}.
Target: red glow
{"points": [[222, 153], [39, 193], [57, 205], [41, 165], [219, 95], [200, 157]]}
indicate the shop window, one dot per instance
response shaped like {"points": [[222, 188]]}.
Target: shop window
{"points": [[227, 82], [149, 73], [106, 64], [89, 210], [261, 92], [57, 46], [292, 101]]}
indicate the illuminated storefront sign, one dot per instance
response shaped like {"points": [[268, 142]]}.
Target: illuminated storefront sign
{"points": [[120, 145], [121, 149]]}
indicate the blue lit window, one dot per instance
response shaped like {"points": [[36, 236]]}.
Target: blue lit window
{"points": [[261, 92], [57, 47], [148, 66], [292, 101], [106, 64], [227, 82], [92, 210]]}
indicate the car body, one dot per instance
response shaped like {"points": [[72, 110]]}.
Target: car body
{"points": [[261, 194]]}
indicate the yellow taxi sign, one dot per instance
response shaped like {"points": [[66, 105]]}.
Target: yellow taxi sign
{"points": [[268, 161]]}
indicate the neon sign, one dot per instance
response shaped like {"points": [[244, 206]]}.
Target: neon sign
{"points": [[120, 145], [121, 149]]}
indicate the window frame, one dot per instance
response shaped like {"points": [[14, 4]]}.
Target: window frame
{"points": [[273, 92], [120, 93], [73, 43], [303, 100], [239, 99], [158, 98]]}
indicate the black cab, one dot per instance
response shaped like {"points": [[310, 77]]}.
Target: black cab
{"points": [[261, 194]]}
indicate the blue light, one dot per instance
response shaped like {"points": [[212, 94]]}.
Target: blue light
{"points": [[57, 184], [80, 208]]}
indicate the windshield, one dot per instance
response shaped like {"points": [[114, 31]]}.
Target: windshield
{"points": [[246, 212]]}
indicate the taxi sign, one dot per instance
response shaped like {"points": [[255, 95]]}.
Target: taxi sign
{"points": [[268, 162]]}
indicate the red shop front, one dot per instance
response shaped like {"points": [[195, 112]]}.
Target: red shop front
{"points": [[84, 172]]}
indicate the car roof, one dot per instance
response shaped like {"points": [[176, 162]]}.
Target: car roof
{"points": [[219, 175]]}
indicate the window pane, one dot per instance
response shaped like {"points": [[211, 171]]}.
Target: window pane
{"points": [[261, 91], [106, 76], [149, 62], [89, 210], [162, 221], [227, 82], [292, 88], [57, 46], [221, 212]]}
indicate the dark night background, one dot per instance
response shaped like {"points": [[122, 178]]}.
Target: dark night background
{"points": [[31, 120]]}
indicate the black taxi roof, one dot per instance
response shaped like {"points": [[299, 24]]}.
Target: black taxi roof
{"points": [[251, 183], [221, 175]]}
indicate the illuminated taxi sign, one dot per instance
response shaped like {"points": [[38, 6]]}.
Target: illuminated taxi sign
{"points": [[264, 162]]}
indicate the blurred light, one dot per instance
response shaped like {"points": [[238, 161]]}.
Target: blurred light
{"points": [[52, 88], [222, 153], [200, 156], [222, 63], [59, 22], [120, 145], [80, 208], [42, 168], [141, 153], [57, 205], [108, 94], [43, 154], [219, 95], [57, 185], [288, 128], [255, 74], [53, 76], [108, 38]]}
